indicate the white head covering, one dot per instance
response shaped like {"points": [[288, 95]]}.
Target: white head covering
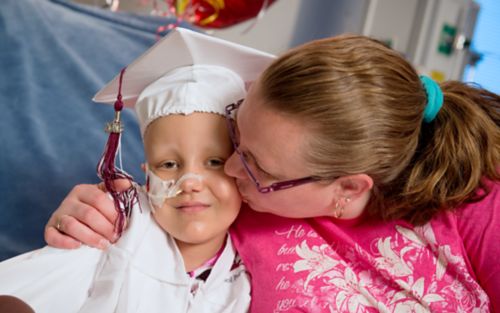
{"points": [[186, 72], [196, 88]]}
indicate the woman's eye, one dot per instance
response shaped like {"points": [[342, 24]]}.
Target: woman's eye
{"points": [[246, 156], [216, 162], [254, 165], [265, 174], [170, 165]]}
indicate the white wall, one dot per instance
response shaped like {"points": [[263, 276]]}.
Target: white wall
{"points": [[403, 23], [272, 33]]}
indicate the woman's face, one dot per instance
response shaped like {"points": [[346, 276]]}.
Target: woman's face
{"points": [[274, 146], [199, 144]]}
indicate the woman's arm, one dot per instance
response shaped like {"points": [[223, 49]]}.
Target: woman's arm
{"points": [[86, 215]]}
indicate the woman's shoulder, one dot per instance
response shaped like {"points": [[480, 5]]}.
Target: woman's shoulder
{"points": [[477, 221], [260, 222], [485, 205]]}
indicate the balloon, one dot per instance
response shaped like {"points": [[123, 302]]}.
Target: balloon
{"points": [[217, 13]]}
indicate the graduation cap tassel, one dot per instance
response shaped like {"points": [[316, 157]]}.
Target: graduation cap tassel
{"points": [[108, 172]]}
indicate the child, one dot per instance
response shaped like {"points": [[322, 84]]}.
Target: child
{"points": [[176, 255]]}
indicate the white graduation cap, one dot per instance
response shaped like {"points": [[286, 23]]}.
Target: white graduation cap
{"points": [[186, 72]]}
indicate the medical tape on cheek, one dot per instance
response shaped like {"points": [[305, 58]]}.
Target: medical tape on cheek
{"points": [[158, 189]]}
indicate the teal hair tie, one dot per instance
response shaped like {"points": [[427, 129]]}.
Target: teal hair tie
{"points": [[434, 98]]}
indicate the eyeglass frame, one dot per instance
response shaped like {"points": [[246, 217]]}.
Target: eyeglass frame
{"points": [[281, 185]]}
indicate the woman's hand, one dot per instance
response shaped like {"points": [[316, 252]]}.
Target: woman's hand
{"points": [[87, 216]]}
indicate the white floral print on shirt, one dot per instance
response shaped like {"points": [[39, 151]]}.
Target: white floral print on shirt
{"points": [[407, 272]]}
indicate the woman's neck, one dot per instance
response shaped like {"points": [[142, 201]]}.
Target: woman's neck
{"points": [[195, 255]]}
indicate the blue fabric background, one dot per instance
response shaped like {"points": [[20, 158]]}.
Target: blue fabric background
{"points": [[54, 56]]}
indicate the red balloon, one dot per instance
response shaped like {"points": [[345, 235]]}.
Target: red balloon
{"points": [[217, 13]]}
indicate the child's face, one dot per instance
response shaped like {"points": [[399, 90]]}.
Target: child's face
{"points": [[197, 143]]}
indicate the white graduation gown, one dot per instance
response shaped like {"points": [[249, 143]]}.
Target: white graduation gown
{"points": [[142, 272]]}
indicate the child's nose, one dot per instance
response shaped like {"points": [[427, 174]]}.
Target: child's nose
{"points": [[191, 183]]}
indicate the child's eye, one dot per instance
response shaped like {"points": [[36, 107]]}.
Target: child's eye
{"points": [[215, 162], [170, 165]]}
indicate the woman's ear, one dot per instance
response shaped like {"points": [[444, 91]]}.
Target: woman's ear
{"points": [[143, 167], [353, 186], [353, 195]]}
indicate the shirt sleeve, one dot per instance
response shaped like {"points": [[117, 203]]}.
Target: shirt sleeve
{"points": [[479, 226]]}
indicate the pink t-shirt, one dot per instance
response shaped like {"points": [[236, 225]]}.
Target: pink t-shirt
{"points": [[451, 264]]}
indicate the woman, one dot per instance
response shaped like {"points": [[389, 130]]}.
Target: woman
{"points": [[383, 187]]}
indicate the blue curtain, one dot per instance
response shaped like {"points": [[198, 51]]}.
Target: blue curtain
{"points": [[54, 56]]}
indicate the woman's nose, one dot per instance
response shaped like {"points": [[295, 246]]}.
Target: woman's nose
{"points": [[234, 167]]}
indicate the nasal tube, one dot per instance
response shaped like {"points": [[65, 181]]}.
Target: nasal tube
{"points": [[158, 190]]}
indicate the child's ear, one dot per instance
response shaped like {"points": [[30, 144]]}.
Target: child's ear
{"points": [[143, 167]]}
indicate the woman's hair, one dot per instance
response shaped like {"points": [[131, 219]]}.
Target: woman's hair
{"points": [[364, 104]]}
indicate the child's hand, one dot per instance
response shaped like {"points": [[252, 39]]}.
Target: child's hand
{"points": [[86, 215]]}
